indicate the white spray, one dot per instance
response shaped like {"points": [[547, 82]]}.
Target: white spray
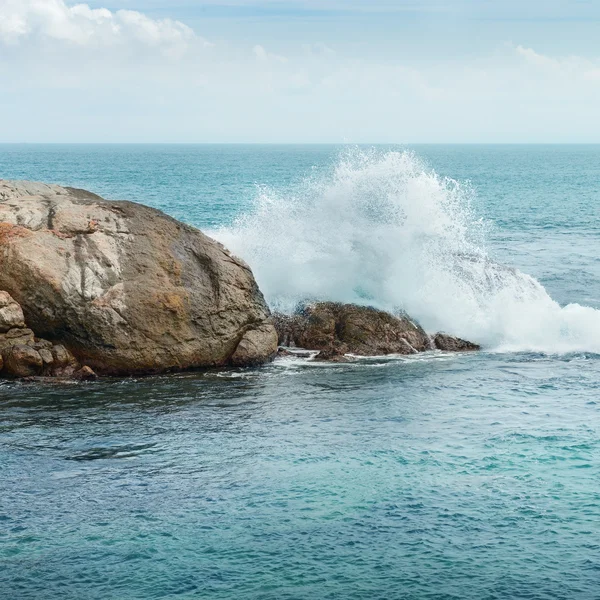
{"points": [[383, 229]]}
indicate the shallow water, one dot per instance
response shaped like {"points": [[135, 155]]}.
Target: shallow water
{"points": [[437, 476]]}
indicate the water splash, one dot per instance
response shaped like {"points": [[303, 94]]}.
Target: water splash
{"points": [[381, 228]]}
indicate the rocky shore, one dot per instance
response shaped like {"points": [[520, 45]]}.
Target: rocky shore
{"points": [[92, 286]]}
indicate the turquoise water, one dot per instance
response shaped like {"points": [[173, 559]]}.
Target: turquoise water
{"points": [[439, 476]]}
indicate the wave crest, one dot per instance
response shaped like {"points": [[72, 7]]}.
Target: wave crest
{"points": [[381, 228]]}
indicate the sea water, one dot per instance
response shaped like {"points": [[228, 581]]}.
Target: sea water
{"points": [[435, 476]]}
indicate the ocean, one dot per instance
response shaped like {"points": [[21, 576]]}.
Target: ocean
{"points": [[436, 476]]}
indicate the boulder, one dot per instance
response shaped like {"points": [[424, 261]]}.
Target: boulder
{"points": [[84, 374], [21, 361], [124, 287], [11, 314], [361, 330], [450, 343]]}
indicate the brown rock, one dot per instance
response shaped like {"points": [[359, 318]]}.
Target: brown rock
{"points": [[363, 330], [21, 361], [42, 345], [124, 287], [336, 354], [16, 337], [46, 356], [453, 344], [62, 357], [255, 346], [11, 314], [85, 374]]}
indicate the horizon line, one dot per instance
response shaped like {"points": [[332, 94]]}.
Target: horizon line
{"points": [[572, 143]]}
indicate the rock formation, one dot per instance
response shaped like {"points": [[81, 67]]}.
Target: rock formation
{"points": [[125, 288], [453, 344], [339, 329], [23, 355]]}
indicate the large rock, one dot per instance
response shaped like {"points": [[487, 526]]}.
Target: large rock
{"points": [[124, 287], [360, 330]]}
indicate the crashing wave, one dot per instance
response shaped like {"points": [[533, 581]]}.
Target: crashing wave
{"points": [[381, 228]]}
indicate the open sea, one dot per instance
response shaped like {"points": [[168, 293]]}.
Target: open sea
{"points": [[437, 476]]}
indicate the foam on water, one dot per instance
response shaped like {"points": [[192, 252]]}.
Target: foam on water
{"points": [[381, 228]]}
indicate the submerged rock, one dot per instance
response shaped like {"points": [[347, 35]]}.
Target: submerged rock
{"points": [[124, 287]]}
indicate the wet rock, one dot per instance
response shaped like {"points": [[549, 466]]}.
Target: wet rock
{"points": [[363, 330], [127, 289], [334, 353], [84, 374], [21, 361], [450, 343]]}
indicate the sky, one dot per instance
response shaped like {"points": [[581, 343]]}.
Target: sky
{"points": [[300, 71]]}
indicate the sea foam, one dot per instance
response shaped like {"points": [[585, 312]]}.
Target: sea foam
{"points": [[384, 229]]}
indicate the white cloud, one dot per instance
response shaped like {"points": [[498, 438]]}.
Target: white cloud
{"points": [[319, 49], [576, 67], [38, 20], [80, 73], [264, 56]]}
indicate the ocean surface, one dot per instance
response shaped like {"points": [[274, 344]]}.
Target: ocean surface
{"points": [[437, 476]]}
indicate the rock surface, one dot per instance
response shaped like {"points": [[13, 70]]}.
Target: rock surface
{"points": [[362, 330], [340, 329], [22, 355], [11, 314], [22, 361], [124, 287], [453, 344]]}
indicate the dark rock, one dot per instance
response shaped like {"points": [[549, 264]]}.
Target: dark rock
{"points": [[334, 353], [363, 330], [453, 344], [124, 287], [84, 374], [62, 357], [42, 345], [16, 337]]}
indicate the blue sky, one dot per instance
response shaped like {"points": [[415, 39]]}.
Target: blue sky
{"points": [[300, 71]]}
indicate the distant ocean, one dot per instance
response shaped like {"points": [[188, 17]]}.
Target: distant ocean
{"points": [[430, 477]]}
